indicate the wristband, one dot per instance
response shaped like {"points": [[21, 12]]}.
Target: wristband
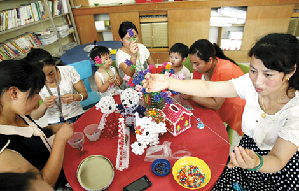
{"points": [[259, 166], [81, 97]]}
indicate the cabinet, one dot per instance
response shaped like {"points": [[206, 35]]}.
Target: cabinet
{"points": [[189, 21], [49, 21]]}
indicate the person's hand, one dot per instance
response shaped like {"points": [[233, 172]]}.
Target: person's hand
{"points": [[134, 47], [244, 158], [156, 82], [65, 132], [117, 82], [185, 96], [110, 80], [67, 98], [50, 101]]}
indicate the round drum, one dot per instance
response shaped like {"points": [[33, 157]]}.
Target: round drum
{"points": [[95, 172]]}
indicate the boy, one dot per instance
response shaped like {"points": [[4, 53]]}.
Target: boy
{"points": [[177, 55]]}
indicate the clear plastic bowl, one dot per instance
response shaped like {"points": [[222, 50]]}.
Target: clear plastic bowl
{"points": [[77, 140], [92, 132]]}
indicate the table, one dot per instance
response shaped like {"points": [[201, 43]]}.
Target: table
{"points": [[77, 53], [202, 143]]}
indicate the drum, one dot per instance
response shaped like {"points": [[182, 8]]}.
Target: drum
{"points": [[95, 172]]}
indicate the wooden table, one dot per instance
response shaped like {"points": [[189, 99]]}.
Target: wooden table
{"points": [[202, 143]]}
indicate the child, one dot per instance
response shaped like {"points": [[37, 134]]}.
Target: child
{"points": [[132, 56], [177, 55], [106, 78]]}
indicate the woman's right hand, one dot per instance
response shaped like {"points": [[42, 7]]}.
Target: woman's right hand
{"points": [[156, 82], [65, 132], [50, 101], [134, 48]]}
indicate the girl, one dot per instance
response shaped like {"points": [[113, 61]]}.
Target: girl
{"points": [[60, 100], [267, 156], [137, 54], [23, 146], [106, 78]]}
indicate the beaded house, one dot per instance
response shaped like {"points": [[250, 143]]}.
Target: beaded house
{"points": [[178, 119]]}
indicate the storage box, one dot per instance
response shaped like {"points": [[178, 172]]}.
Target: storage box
{"points": [[148, 1]]}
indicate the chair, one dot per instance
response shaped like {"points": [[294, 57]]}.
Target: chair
{"points": [[188, 64], [84, 69]]}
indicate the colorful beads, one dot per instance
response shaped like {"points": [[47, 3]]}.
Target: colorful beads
{"points": [[161, 168], [190, 176]]}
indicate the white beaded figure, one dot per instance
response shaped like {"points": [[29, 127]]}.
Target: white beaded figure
{"points": [[130, 105], [108, 123], [147, 133]]}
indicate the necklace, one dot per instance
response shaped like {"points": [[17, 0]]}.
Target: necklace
{"points": [[265, 111]]}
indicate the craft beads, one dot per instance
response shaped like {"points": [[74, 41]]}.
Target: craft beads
{"points": [[161, 168], [190, 176]]}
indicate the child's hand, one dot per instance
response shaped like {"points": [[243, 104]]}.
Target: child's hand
{"points": [[50, 101], [110, 80], [67, 98], [244, 158], [117, 82], [134, 48], [65, 132]]}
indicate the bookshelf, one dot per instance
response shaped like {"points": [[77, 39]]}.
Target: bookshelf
{"points": [[59, 44]]}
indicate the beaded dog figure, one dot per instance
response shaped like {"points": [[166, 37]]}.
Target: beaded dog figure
{"points": [[130, 105], [108, 123], [147, 133]]}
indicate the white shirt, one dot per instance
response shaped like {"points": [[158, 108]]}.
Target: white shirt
{"points": [[265, 131], [186, 72], [69, 76], [121, 56], [31, 130]]}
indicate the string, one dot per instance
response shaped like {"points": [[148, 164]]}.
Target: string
{"points": [[205, 125]]}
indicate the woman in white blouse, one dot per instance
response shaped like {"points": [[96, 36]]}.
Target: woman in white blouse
{"points": [[267, 157], [62, 92]]}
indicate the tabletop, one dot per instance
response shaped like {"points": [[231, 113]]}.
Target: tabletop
{"points": [[209, 144], [77, 53]]}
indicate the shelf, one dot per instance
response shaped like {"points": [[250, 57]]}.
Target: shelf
{"points": [[295, 14], [153, 20], [30, 24]]}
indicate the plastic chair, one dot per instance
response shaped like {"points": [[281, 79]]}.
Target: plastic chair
{"points": [[188, 64], [84, 69]]}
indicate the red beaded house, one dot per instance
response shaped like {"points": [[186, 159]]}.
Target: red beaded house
{"points": [[178, 119]]}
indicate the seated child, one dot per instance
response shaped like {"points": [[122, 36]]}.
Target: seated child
{"points": [[177, 55], [106, 77]]}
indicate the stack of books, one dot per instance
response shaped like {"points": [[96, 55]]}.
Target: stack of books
{"points": [[13, 48], [46, 37], [63, 30]]}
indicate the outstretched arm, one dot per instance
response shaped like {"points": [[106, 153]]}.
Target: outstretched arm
{"points": [[201, 88]]}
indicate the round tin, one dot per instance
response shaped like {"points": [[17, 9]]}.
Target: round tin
{"points": [[95, 172]]}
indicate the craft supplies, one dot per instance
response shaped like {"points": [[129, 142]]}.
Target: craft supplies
{"points": [[161, 167], [191, 172], [92, 132], [77, 140]]}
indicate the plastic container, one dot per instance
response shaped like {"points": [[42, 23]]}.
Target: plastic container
{"points": [[77, 140], [92, 132], [161, 167], [95, 173]]}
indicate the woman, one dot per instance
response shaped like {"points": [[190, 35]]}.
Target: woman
{"points": [[23, 145], [62, 92], [136, 53], [267, 156], [210, 64]]}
